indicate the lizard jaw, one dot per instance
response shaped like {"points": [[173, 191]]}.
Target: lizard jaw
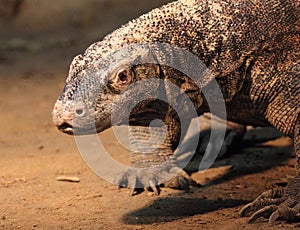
{"points": [[66, 128], [71, 130]]}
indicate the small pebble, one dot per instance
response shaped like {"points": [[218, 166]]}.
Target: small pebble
{"points": [[68, 179]]}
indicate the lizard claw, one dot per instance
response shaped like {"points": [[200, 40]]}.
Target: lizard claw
{"points": [[151, 179], [275, 204], [137, 180], [266, 198], [288, 210], [264, 212]]}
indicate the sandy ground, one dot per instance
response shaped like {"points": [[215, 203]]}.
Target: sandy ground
{"points": [[33, 154]]}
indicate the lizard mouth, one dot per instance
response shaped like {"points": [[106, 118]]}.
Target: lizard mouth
{"points": [[66, 128], [85, 130]]}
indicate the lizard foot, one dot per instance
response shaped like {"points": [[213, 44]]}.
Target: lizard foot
{"points": [[153, 178], [182, 181], [276, 204]]}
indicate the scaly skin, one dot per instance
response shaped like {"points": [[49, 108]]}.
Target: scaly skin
{"points": [[252, 49]]}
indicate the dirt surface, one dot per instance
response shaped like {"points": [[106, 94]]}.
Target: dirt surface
{"points": [[33, 154]]}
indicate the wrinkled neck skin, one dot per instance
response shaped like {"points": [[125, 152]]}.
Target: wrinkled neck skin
{"points": [[159, 125], [170, 94]]}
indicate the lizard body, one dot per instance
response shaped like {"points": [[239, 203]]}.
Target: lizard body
{"points": [[252, 50]]}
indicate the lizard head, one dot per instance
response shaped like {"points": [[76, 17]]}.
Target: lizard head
{"points": [[105, 89], [125, 85]]}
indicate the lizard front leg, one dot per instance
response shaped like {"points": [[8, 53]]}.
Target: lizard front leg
{"points": [[149, 152], [152, 158]]}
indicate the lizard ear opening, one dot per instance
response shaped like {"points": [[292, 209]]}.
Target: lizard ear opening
{"points": [[190, 88], [186, 87]]}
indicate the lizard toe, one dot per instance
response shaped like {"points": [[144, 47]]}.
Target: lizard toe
{"points": [[289, 210], [270, 197], [275, 204], [263, 212]]}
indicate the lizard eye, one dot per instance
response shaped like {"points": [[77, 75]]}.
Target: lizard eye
{"points": [[120, 79], [123, 76]]}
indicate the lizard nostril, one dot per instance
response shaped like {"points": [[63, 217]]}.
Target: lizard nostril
{"points": [[79, 111]]}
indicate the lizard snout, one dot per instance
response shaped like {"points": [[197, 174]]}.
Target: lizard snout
{"points": [[63, 120]]}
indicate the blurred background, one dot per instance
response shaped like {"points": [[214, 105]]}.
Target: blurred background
{"points": [[41, 26]]}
